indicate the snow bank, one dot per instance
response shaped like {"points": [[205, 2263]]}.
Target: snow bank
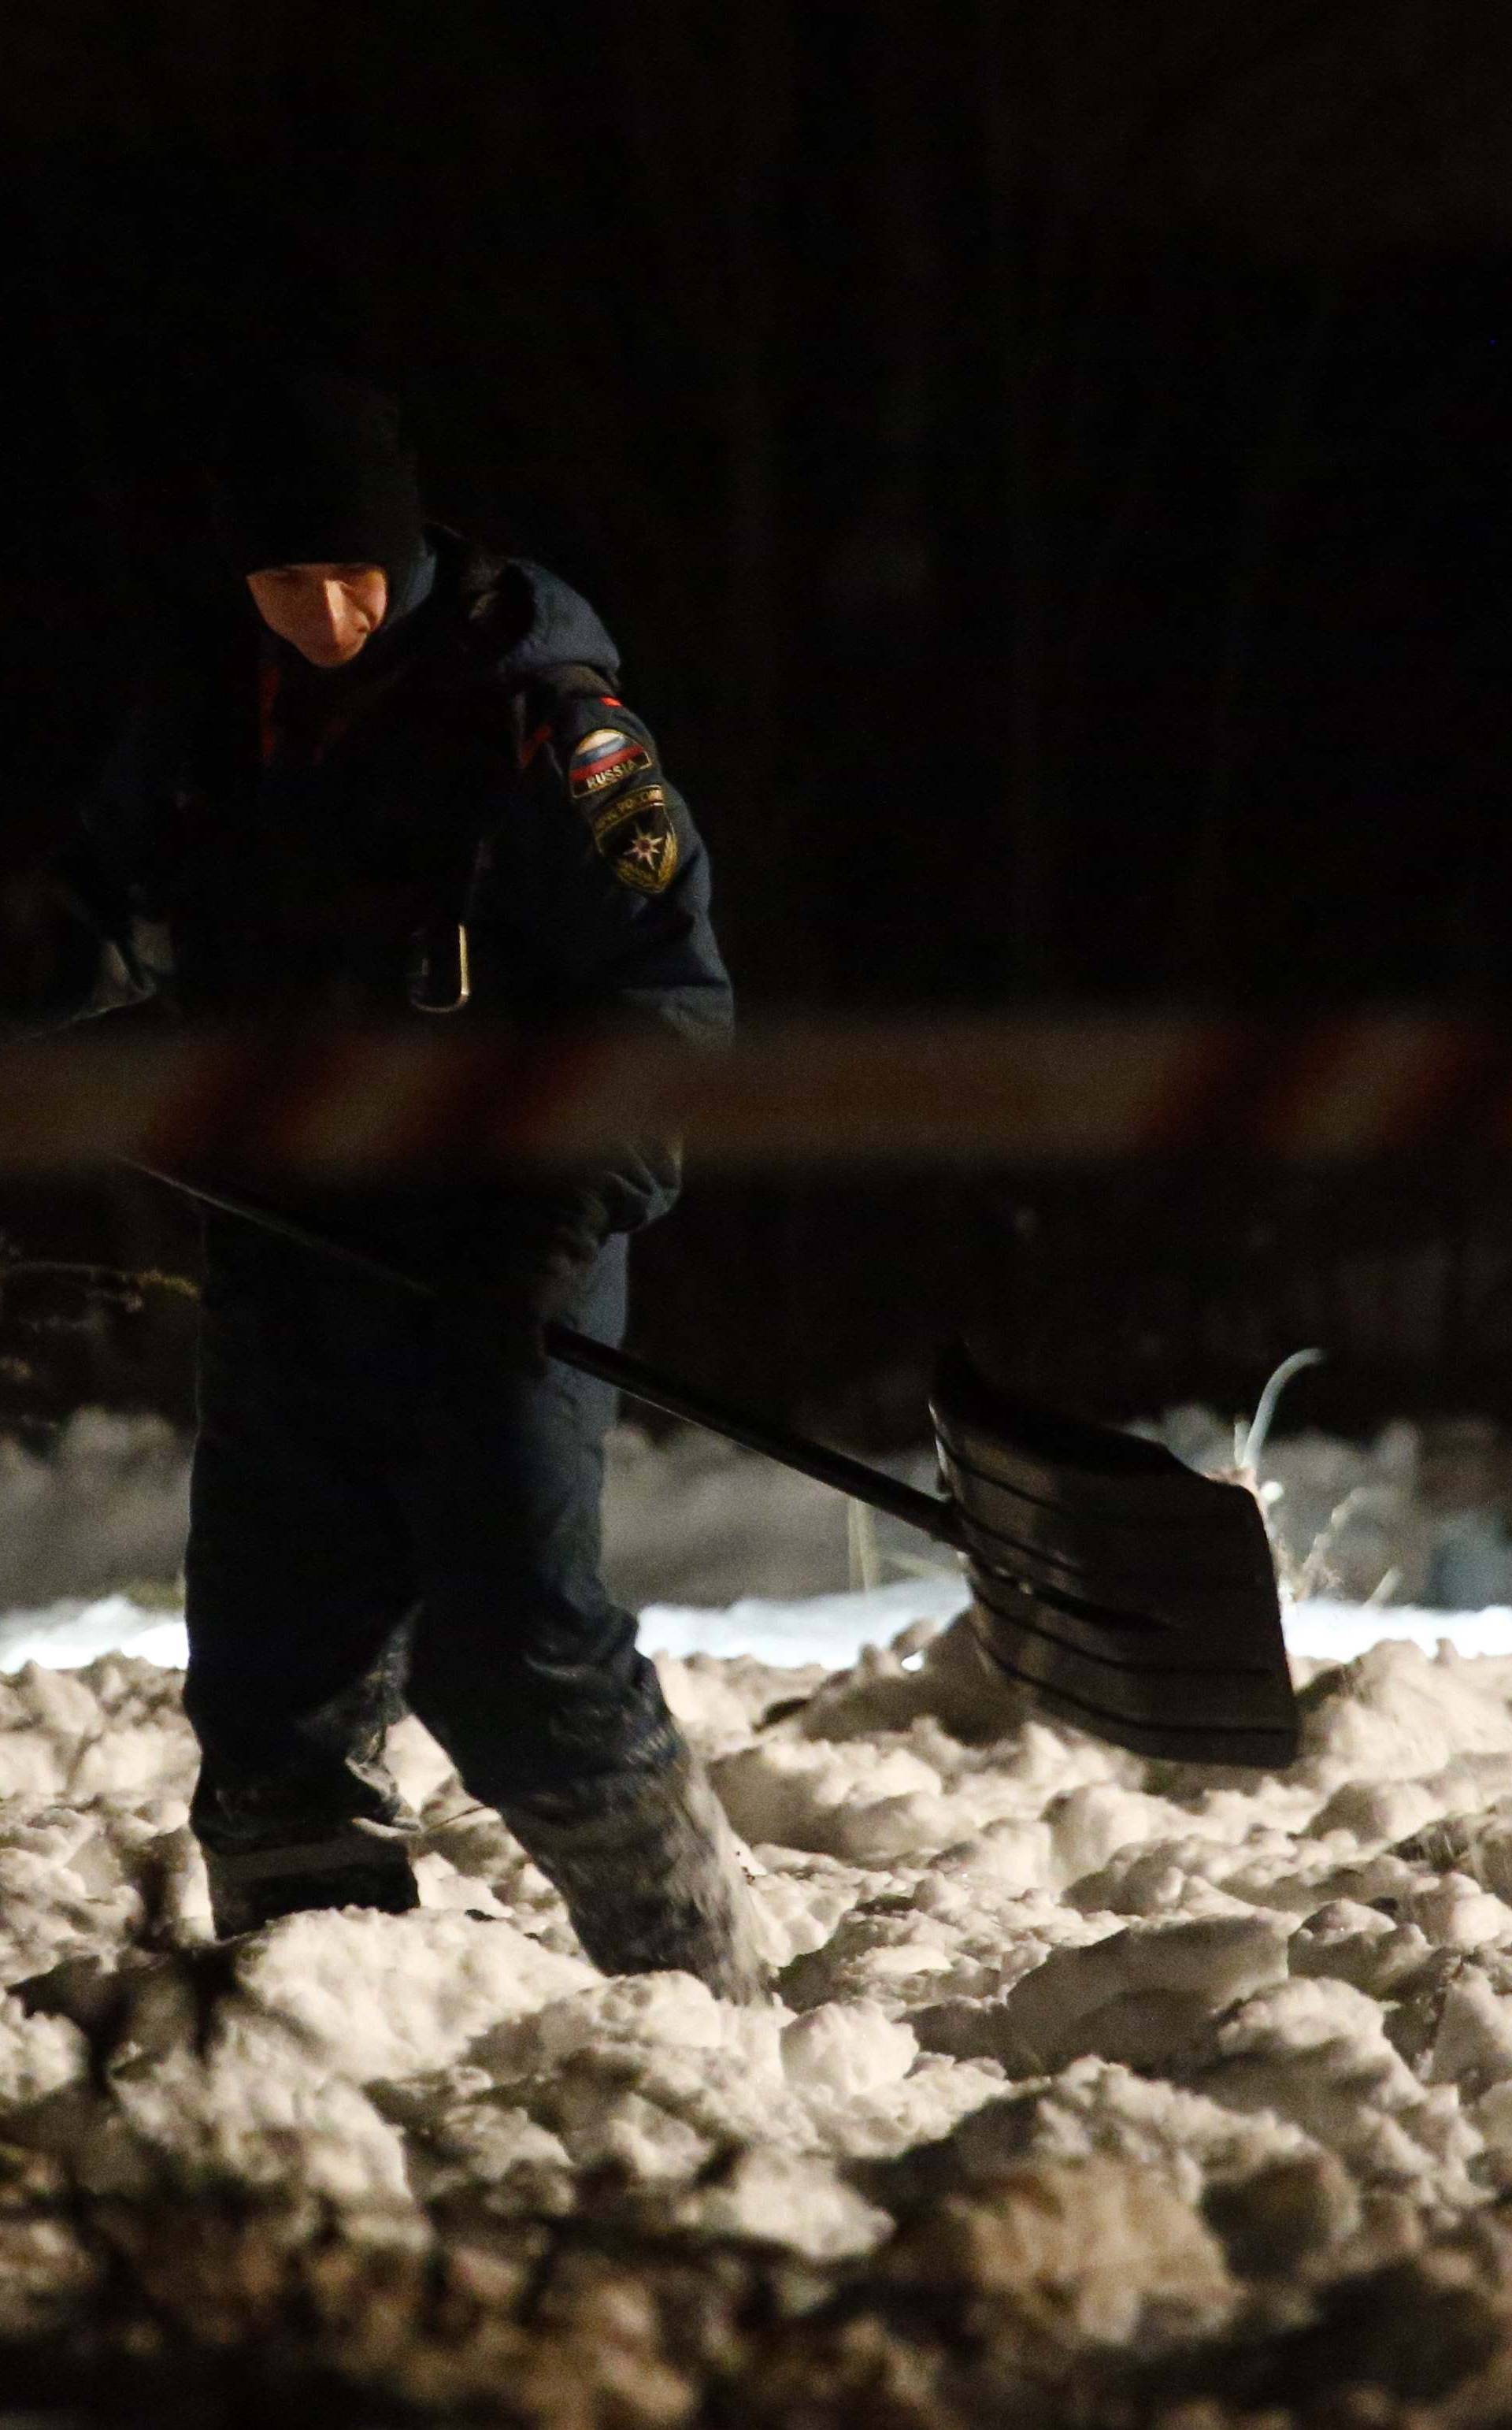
{"points": [[688, 1517], [106, 1506], [1415, 1520]]}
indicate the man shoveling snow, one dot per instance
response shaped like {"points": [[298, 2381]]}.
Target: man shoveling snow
{"points": [[406, 785]]}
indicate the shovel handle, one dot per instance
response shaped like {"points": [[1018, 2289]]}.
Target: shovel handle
{"points": [[930, 1512], [933, 1514]]}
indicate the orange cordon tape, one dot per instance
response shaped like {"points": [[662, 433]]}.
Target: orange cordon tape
{"points": [[1034, 1089]]}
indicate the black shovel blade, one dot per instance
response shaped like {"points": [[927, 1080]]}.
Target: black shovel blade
{"points": [[1127, 1593]]}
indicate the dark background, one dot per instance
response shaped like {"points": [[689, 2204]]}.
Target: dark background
{"points": [[1048, 470]]}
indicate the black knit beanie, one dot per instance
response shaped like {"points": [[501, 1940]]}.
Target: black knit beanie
{"points": [[313, 468]]}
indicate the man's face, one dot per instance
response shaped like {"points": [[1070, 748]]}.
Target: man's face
{"points": [[325, 611]]}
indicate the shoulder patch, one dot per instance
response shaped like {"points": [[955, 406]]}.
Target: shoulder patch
{"points": [[607, 757], [636, 837]]}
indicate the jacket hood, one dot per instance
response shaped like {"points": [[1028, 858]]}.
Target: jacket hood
{"points": [[520, 617]]}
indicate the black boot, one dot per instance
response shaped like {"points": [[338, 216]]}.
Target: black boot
{"points": [[361, 1864], [648, 1867], [274, 1845]]}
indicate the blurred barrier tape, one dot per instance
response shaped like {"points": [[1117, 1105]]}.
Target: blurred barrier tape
{"points": [[1032, 1088]]}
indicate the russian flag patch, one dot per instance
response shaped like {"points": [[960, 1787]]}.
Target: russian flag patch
{"points": [[605, 758]]}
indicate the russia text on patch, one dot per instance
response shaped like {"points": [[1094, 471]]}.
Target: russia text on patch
{"points": [[607, 757]]}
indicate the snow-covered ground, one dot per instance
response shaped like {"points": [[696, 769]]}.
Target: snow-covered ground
{"points": [[1274, 2011], [993, 1935]]}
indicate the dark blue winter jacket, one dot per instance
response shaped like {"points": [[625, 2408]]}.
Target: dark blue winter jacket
{"points": [[274, 838]]}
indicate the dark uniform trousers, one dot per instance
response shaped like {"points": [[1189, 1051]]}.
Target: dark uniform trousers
{"points": [[383, 1514]]}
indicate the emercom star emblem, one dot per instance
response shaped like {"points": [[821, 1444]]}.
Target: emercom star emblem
{"points": [[636, 835]]}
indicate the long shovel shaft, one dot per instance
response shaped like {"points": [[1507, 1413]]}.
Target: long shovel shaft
{"points": [[1122, 1591], [931, 1513]]}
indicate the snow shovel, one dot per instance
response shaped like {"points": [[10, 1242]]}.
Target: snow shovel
{"points": [[1122, 1591]]}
